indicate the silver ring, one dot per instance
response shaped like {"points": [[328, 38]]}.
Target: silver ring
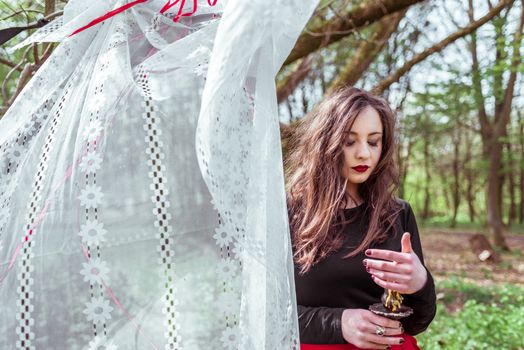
{"points": [[380, 330]]}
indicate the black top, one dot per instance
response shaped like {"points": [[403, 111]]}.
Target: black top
{"points": [[335, 284]]}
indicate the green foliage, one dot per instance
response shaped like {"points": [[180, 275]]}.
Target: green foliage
{"points": [[491, 318], [12, 14]]}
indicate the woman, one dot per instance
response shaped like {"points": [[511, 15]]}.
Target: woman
{"points": [[351, 237]]}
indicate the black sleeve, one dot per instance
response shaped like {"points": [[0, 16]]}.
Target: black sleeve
{"points": [[320, 325], [423, 302]]}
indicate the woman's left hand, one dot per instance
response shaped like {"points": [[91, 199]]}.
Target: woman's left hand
{"points": [[399, 271]]}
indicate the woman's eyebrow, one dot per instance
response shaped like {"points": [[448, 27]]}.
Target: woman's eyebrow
{"points": [[371, 133]]}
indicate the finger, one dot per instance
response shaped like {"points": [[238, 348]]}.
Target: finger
{"points": [[369, 345], [382, 321], [387, 266], [365, 343], [373, 338], [399, 287], [390, 276], [406, 243], [372, 328], [394, 331], [389, 255]]}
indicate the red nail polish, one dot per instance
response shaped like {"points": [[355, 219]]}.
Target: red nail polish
{"points": [[368, 252], [367, 269], [401, 341]]}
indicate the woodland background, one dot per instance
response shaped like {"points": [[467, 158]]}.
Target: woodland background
{"points": [[454, 73]]}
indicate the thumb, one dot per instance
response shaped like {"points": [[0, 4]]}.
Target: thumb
{"points": [[406, 243]]}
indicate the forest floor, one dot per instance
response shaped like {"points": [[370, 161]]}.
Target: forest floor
{"points": [[448, 255]]}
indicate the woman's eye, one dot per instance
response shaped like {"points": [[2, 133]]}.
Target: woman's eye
{"points": [[372, 144]]}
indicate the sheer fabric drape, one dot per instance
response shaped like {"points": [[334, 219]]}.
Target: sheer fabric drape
{"points": [[142, 200]]}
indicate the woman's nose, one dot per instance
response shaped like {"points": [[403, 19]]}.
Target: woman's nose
{"points": [[363, 151]]}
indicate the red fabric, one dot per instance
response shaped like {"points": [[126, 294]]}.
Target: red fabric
{"points": [[410, 343]]}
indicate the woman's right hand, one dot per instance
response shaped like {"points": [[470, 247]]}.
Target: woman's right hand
{"points": [[359, 327]]}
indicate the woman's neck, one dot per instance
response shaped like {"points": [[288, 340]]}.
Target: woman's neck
{"points": [[353, 199], [352, 204]]}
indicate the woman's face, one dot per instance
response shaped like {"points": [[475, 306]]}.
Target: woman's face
{"points": [[362, 147]]}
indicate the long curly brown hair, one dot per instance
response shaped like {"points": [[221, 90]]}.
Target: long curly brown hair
{"points": [[316, 189]]}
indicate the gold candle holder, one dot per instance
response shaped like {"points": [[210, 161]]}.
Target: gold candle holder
{"points": [[391, 306]]}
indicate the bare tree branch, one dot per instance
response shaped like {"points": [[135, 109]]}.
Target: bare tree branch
{"points": [[367, 52], [19, 12], [7, 34], [24, 77], [26, 74], [384, 84], [8, 76], [291, 81], [9, 63], [337, 29]]}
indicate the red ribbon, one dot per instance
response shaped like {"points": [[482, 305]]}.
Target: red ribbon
{"points": [[166, 7], [108, 15]]}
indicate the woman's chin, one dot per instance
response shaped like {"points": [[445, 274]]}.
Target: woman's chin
{"points": [[358, 179]]}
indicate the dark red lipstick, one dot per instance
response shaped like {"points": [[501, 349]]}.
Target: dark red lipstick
{"points": [[361, 168]]}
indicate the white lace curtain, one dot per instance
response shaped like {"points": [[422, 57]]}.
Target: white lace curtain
{"points": [[142, 200]]}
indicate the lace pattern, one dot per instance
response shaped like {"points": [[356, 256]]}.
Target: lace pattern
{"points": [[141, 193]]}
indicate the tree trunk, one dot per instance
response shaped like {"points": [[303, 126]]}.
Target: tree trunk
{"points": [[491, 132], [290, 111], [427, 199], [49, 7], [521, 133], [445, 187], [469, 178], [494, 195], [322, 74], [400, 164], [456, 175], [403, 164], [511, 187], [482, 249], [304, 103], [502, 119]]}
